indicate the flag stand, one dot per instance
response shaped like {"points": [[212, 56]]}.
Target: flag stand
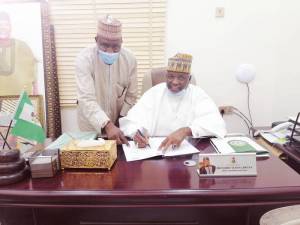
{"points": [[6, 136]]}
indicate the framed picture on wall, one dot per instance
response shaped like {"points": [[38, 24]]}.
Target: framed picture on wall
{"points": [[8, 105], [27, 57]]}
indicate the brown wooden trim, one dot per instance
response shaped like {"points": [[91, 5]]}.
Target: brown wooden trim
{"points": [[50, 73]]}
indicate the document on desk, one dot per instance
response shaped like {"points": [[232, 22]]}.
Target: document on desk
{"points": [[231, 145], [279, 137], [133, 153]]}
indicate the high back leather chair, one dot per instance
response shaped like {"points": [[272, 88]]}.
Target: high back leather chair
{"points": [[156, 76]]}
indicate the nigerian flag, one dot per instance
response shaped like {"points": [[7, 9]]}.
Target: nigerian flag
{"points": [[26, 124]]}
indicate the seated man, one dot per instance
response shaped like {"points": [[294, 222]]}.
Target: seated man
{"points": [[175, 109]]}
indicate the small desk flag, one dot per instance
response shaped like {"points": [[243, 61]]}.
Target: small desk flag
{"points": [[26, 123]]}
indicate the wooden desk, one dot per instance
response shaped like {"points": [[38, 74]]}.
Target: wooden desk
{"points": [[154, 191]]}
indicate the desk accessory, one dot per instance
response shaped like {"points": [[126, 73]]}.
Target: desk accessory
{"points": [[12, 167], [99, 156], [44, 164], [294, 138], [189, 163], [227, 165]]}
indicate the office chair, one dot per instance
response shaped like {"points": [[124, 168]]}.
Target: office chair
{"points": [[156, 76], [280, 216]]}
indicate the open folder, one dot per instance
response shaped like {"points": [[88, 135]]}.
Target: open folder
{"points": [[133, 153], [230, 145]]}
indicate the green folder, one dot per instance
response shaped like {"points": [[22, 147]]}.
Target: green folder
{"points": [[240, 146]]}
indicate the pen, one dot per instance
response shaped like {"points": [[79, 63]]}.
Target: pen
{"points": [[140, 133]]}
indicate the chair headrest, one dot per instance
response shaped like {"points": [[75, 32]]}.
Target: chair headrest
{"points": [[158, 75]]}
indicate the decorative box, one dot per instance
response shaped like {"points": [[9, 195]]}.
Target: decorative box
{"points": [[94, 157]]}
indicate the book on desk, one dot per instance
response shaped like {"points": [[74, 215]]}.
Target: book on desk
{"points": [[229, 145], [133, 153]]}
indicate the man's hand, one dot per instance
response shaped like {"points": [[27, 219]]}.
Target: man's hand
{"points": [[114, 133], [141, 141], [174, 139]]}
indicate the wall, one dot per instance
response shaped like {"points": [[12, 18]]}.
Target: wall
{"points": [[263, 33]]}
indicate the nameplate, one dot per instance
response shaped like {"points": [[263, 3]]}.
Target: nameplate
{"points": [[227, 165]]}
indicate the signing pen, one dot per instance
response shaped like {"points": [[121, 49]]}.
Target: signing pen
{"points": [[140, 133]]}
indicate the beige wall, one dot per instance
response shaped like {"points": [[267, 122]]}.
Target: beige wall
{"points": [[263, 33]]}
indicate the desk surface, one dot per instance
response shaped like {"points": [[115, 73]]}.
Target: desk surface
{"points": [[156, 181]]}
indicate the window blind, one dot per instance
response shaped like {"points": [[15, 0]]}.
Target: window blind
{"points": [[75, 22]]}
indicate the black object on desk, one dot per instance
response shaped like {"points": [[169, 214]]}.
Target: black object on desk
{"points": [[292, 148], [294, 139]]}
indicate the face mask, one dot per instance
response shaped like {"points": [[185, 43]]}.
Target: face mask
{"points": [[108, 58]]}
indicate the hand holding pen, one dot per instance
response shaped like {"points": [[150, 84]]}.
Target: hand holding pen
{"points": [[142, 140]]}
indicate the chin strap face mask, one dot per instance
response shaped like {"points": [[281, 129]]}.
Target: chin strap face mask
{"points": [[108, 58]]}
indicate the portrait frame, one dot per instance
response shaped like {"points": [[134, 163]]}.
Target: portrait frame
{"points": [[8, 104], [52, 117]]}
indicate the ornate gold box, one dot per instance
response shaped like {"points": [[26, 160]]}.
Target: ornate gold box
{"points": [[95, 157]]}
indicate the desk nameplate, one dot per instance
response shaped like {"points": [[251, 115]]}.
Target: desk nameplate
{"points": [[227, 165]]}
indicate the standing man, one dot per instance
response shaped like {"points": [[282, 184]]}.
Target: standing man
{"points": [[106, 81], [175, 109]]}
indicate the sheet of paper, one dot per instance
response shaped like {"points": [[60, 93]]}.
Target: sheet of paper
{"points": [[270, 137], [133, 153]]}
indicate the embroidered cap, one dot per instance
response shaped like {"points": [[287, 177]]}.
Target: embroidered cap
{"points": [[180, 63], [109, 28]]}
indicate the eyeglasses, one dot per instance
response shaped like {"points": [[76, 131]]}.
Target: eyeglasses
{"points": [[181, 78], [105, 47]]}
